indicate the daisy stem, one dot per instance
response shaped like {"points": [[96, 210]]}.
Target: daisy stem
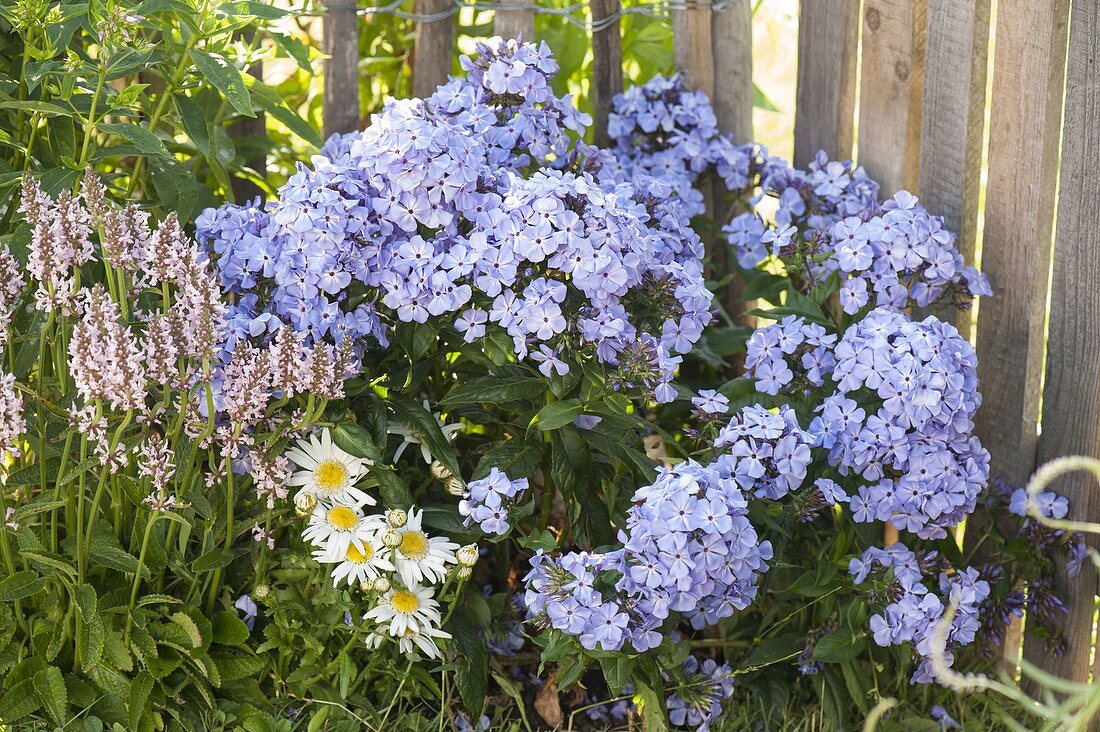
{"points": [[396, 695]]}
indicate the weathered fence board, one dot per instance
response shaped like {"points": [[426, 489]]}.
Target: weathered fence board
{"points": [[435, 45], [1026, 110], [607, 64], [340, 41], [692, 51], [826, 91], [731, 46], [1071, 398], [892, 76], [953, 118], [514, 20]]}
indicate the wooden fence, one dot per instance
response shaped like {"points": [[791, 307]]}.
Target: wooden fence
{"points": [[921, 68]]}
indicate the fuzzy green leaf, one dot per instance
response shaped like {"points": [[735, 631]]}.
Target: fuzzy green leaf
{"points": [[21, 584]]}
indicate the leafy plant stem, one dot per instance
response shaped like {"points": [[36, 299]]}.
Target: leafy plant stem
{"points": [[137, 576]]}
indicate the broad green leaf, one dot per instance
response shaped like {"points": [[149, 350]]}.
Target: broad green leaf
{"points": [[618, 671], [774, 650], [49, 687], [19, 700], [139, 137], [189, 627], [494, 389], [517, 458], [45, 109], [652, 708], [21, 584], [839, 645], [226, 78], [557, 414], [229, 629], [416, 418], [356, 440], [233, 666], [473, 662], [293, 48], [140, 688]]}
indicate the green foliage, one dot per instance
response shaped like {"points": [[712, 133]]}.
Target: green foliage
{"points": [[145, 93]]}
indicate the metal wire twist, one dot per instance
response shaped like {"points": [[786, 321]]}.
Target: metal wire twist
{"points": [[573, 14]]}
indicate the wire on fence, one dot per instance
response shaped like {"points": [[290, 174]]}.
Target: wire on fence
{"points": [[570, 13]]}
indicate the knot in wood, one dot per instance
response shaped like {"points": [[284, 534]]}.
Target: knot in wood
{"points": [[901, 70], [874, 19]]}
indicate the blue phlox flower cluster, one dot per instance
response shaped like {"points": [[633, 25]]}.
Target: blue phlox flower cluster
{"points": [[697, 702], [914, 612], [439, 208], [506, 100], [663, 130], [487, 502], [688, 546], [571, 593], [901, 418], [809, 200], [829, 220], [792, 356], [766, 453]]}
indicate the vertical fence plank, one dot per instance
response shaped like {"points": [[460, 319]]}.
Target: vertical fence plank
{"points": [[607, 63], [953, 118], [1071, 397], [691, 49], [1023, 165], [890, 91], [515, 20], [435, 44], [340, 31], [826, 92], [731, 47]]}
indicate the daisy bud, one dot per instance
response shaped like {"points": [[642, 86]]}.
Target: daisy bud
{"points": [[440, 471], [392, 539], [396, 518], [467, 555], [381, 584], [464, 573], [261, 591], [304, 503], [455, 486]]}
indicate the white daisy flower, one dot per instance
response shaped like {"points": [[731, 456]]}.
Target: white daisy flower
{"points": [[336, 528], [405, 609], [357, 566], [419, 557], [410, 437], [327, 472], [423, 639]]}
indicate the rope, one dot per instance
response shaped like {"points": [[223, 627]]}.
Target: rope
{"points": [[660, 9]]}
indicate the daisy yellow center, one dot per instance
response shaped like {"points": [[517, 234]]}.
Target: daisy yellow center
{"points": [[330, 475], [342, 517], [414, 545], [354, 555], [404, 601]]}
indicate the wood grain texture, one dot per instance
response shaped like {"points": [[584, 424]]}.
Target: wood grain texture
{"points": [[892, 77], [435, 45], [340, 101], [607, 66], [953, 119], [731, 46], [826, 92], [691, 45], [1071, 396], [510, 21], [1025, 117]]}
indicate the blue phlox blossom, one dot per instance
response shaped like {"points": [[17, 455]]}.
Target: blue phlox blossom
{"points": [[487, 501], [912, 611], [697, 702]]}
